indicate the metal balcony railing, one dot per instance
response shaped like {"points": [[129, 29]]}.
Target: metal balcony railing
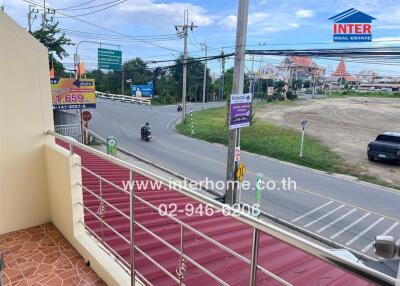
{"points": [[256, 225]]}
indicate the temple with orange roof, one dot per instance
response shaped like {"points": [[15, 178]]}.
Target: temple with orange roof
{"points": [[342, 74]]}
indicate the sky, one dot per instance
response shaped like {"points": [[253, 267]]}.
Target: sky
{"points": [[273, 24]]}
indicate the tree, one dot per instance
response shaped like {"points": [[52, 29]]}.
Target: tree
{"points": [[195, 76], [278, 90], [55, 40]]}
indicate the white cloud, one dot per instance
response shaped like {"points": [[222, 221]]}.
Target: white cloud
{"points": [[257, 18], [304, 13], [158, 13], [293, 25], [229, 22], [276, 27], [386, 41]]}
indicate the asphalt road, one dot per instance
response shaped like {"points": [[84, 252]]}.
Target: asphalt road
{"points": [[347, 212]]}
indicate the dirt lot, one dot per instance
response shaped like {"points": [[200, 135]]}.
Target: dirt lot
{"points": [[346, 125]]}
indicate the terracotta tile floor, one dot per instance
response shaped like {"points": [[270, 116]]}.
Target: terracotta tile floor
{"points": [[42, 256]]}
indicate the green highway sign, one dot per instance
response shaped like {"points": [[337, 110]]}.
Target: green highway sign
{"points": [[109, 59]]}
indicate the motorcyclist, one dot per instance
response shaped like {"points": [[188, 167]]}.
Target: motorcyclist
{"points": [[146, 128]]}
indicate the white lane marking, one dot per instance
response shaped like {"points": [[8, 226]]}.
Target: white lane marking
{"points": [[324, 216], [350, 225], [336, 220], [365, 249], [172, 120], [364, 231], [312, 211]]}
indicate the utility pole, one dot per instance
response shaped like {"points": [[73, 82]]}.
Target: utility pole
{"points": [[251, 76], [44, 15], [223, 74], [204, 45], [184, 28], [122, 80], [34, 11], [237, 88], [259, 75], [330, 81]]}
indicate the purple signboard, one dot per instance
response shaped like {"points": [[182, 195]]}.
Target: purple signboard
{"points": [[240, 110]]}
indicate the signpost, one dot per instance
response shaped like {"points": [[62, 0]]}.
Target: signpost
{"points": [[142, 90], [240, 110], [86, 116], [109, 59], [303, 123], [70, 93]]}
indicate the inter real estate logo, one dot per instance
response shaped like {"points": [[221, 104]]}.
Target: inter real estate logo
{"points": [[352, 26]]}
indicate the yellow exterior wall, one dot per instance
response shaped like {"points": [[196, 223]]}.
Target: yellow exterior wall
{"points": [[25, 114], [39, 180]]}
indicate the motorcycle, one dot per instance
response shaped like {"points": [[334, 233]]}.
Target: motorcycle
{"points": [[145, 134], [179, 108]]}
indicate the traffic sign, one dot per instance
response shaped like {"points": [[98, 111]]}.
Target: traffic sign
{"points": [[109, 59], [86, 115], [241, 171], [237, 154]]}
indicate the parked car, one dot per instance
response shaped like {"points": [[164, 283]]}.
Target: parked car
{"points": [[386, 146]]}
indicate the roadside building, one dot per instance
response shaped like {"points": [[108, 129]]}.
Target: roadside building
{"points": [[301, 68], [380, 86], [367, 76]]}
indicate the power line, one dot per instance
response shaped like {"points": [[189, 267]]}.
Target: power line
{"points": [[84, 3], [110, 35], [91, 7], [103, 28], [344, 52], [99, 10], [150, 40]]}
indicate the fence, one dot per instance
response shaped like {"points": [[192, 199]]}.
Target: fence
{"points": [[69, 130], [124, 98]]}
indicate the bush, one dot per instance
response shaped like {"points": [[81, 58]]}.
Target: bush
{"points": [[291, 95]]}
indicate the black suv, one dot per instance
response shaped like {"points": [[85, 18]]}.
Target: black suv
{"points": [[386, 146]]}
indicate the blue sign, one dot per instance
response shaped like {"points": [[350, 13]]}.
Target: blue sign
{"points": [[142, 90], [352, 26]]}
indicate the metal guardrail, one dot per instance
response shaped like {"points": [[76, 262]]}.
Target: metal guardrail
{"points": [[70, 130], [257, 225], [124, 98]]}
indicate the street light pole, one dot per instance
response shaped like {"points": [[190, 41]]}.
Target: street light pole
{"points": [[237, 88], [205, 73]]}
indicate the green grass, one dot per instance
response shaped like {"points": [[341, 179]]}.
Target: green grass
{"points": [[264, 139], [352, 93], [273, 141]]}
